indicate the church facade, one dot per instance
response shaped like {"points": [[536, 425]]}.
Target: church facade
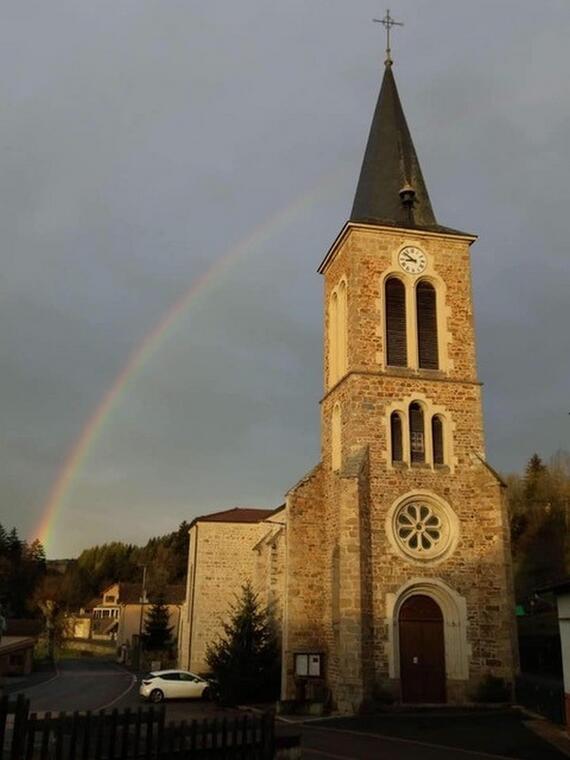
{"points": [[393, 553]]}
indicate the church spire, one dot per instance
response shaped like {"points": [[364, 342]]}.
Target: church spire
{"points": [[391, 189]]}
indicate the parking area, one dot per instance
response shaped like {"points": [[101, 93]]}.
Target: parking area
{"points": [[95, 684]]}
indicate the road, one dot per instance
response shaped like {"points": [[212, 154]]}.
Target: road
{"points": [[80, 684], [85, 684], [93, 684], [325, 744]]}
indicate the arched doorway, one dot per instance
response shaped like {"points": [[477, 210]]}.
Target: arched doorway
{"points": [[422, 650]]}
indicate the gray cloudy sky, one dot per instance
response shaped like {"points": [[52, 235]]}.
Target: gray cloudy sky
{"points": [[142, 140]]}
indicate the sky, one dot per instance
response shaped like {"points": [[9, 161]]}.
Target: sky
{"points": [[151, 149]]}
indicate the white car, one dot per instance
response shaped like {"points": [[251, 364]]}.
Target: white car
{"points": [[173, 684]]}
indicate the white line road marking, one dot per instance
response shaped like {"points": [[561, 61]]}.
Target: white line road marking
{"points": [[25, 689], [306, 751], [398, 740], [121, 695]]}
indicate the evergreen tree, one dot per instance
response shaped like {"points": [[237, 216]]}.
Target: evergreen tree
{"points": [[535, 472], [539, 510], [245, 661], [157, 633], [3, 541], [14, 546]]}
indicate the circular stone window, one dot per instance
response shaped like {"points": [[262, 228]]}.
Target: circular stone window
{"points": [[423, 529]]}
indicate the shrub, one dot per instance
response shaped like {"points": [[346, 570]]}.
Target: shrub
{"points": [[492, 689]]}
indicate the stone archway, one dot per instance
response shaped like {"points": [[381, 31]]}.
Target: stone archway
{"points": [[454, 611]]}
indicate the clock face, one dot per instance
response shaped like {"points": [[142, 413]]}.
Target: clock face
{"points": [[412, 260]]}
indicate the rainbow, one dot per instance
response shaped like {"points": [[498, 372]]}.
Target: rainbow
{"points": [[144, 350]]}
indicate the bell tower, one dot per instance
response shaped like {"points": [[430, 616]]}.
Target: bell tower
{"points": [[399, 568]]}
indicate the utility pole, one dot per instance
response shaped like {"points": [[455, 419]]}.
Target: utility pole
{"points": [[142, 600]]}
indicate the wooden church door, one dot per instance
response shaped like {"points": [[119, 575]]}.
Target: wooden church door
{"points": [[422, 650]]}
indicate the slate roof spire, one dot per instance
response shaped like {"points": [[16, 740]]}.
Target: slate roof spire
{"points": [[391, 189]]}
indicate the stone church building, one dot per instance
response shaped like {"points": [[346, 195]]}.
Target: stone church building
{"points": [[389, 564]]}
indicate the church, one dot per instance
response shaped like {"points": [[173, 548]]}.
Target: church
{"points": [[389, 563]]}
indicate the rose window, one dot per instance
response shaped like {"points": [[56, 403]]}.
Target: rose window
{"points": [[423, 529], [418, 527]]}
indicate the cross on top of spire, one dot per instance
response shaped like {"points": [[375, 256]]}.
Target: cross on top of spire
{"points": [[388, 22]]}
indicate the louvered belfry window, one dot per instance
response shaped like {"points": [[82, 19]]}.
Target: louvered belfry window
{"points": [[437, 440], [417, 437], [396, 437], [396, 349], [427, 326]]}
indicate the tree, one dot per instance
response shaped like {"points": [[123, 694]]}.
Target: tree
{"points": [[539, 510], [157, 633], [245, 661], [47, 598], [535, 473]]}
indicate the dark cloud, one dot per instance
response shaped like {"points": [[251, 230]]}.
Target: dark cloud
{"points": [[141, 141]]}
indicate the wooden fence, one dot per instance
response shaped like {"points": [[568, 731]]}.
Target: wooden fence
{"points": [[129, 735]]}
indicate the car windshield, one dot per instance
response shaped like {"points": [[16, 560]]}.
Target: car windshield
{"points": [[146, 676]]}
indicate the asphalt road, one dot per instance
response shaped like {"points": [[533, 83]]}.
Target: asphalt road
{"points": [[84, 684], [327, 742], [80, 684], [93, 684], [324, 744]]}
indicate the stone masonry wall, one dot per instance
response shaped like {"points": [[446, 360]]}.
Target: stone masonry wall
{"points": [[480, 567], [355, 541], [307, 580], [225, 560]]}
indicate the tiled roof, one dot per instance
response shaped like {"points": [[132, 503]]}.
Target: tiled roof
{"points": [[23, 627], [130, 593], [237, 515]]}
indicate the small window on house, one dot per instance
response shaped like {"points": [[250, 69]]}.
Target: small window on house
{"points": [[437, 440], [417, 437], [396, 437], [426, 311], [336, 455], [395, 299]]}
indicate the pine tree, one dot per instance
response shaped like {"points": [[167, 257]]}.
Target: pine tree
{"points": [[535, 472], [157, 633], [14, 545], [246, 660], [3, 541]]}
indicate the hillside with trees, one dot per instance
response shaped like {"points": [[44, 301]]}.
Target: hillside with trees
{"points": [[165, 558], [28, 585], [22, 567], [539, 509]]}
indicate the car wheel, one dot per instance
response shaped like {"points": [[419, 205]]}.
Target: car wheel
{"points": [[156, 696], [207, 694]]}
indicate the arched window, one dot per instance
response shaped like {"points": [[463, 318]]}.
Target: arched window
{"points": [[395, 314], [342, 329], [437, 440], [333, 343], [417, 437], [396, 437], [426, 311], [336, 453]]}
